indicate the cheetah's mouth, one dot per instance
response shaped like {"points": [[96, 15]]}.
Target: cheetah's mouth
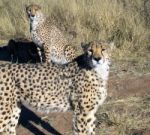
{"points": [[96, 62], [31, 17], [92, 63]]}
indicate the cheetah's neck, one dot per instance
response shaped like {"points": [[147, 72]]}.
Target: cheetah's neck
{"points": [[102, 70], [38, 20]]}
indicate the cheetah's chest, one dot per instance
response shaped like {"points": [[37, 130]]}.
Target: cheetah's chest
{"points": [[36, 38], [36, 28]]}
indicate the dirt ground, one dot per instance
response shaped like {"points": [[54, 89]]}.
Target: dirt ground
{"points": [[122, 88]]}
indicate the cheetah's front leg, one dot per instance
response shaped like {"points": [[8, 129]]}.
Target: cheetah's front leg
{"points": [[11, 126], [84, 119], [40, 54], [84, 124]]}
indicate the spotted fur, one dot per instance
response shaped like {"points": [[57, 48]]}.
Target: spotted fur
{"points": [[45, 34], [80, 86]]}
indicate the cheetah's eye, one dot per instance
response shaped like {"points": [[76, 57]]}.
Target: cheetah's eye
{"points": [[36, 9], [29, 10], [91, 51], [103, 49]]}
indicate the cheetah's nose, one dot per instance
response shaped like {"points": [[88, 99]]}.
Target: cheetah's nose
{"points": [[32, 15], [97, 59]]}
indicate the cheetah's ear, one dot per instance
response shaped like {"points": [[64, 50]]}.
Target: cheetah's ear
{"points": [[39, 7], [84, 46], [25, 7]]}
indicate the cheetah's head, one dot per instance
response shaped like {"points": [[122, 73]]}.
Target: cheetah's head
{"points": [[97, 52], [33, 11]]}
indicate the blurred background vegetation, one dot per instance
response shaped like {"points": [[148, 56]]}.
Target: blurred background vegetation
{"points": [[125, 22]]}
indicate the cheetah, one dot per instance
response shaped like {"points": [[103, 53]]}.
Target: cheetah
{"points": [[47, 36], [79, 86]]}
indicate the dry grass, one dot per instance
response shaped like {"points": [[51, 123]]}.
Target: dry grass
{"points": [[130, 116], [126, 22], [125, 117]]}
